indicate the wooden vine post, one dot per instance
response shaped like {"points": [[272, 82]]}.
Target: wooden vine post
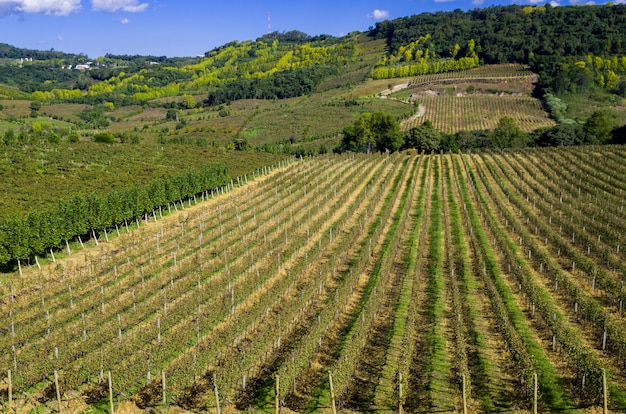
{"points": [[10, 390], [605, 394], [535, 390], [276, 401], [217, 395], [111, 394], [332, 392], [56, 385], [400, 392], [464, 396], [164, 387]]}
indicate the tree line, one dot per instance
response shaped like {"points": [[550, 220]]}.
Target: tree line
{"points": [[381, 132], [36, 233]]}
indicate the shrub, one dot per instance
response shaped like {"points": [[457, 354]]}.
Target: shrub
{"points": [[105, 137]]}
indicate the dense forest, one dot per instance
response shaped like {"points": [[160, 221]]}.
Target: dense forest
{"points": [[515, 33], [562, 44]]}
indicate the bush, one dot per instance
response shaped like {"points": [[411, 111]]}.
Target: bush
{"points": [[73, 137], [241, 144], [105, 137]]}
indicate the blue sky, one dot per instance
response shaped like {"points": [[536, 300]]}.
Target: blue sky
{"points": [[192, 27]]}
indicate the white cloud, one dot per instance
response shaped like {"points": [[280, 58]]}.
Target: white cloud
{"points": [[58, 7], [131, 6], [443, 1], [378, 14], [124, 21], [477, 2]]}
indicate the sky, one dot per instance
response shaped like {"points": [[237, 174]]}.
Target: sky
{"points": [[192, 27]]}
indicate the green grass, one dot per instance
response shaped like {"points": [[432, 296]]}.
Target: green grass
{"points": [[580, 106], [437, 365], [482, 364], [550, 385]]}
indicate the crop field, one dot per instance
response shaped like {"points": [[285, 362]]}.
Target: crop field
{"points": [[451, 114], [503, 73], [423, 283], [35, 177]]}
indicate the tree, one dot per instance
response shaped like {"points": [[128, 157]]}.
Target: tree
{"points": [[35, 106], [423, 138], [373, 131], [621, 89], [507, 134], [598, 125], [188, 102], [241, 144], [386, 132], [73, 137], [171, 115], [358, 137], [559, 135]]}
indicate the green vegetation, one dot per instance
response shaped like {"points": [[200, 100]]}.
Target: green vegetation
{"points": [[381, 132], [417, 59], [245, 286], [494, 264], [116, 124]]}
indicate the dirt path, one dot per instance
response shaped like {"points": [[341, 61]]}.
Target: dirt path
{"points": [[405, 123], [385, 93]]}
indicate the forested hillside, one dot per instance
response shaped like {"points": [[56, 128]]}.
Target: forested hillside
{"points": [[515, 33], [570, 47]]}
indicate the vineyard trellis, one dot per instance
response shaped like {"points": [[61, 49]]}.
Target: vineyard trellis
{"points": [[419, 282], [451, 114]]}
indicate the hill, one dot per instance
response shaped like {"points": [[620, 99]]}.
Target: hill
{"points": [[201, 233], [124, 123]]}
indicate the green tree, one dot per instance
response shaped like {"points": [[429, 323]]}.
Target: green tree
{"points": [[423, 138], [241, 144], [188, 102], [507, 134], [373, 131], [358, 136], [598, 125], [386, 132], [35, 106], [73, 137], [171, 115]]}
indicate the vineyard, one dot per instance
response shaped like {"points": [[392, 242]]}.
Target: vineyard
{"points": [[451, 114], [502, 72], [426, 283]]}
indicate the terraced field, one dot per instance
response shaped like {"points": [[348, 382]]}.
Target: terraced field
{"points": [[426, 283]]}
